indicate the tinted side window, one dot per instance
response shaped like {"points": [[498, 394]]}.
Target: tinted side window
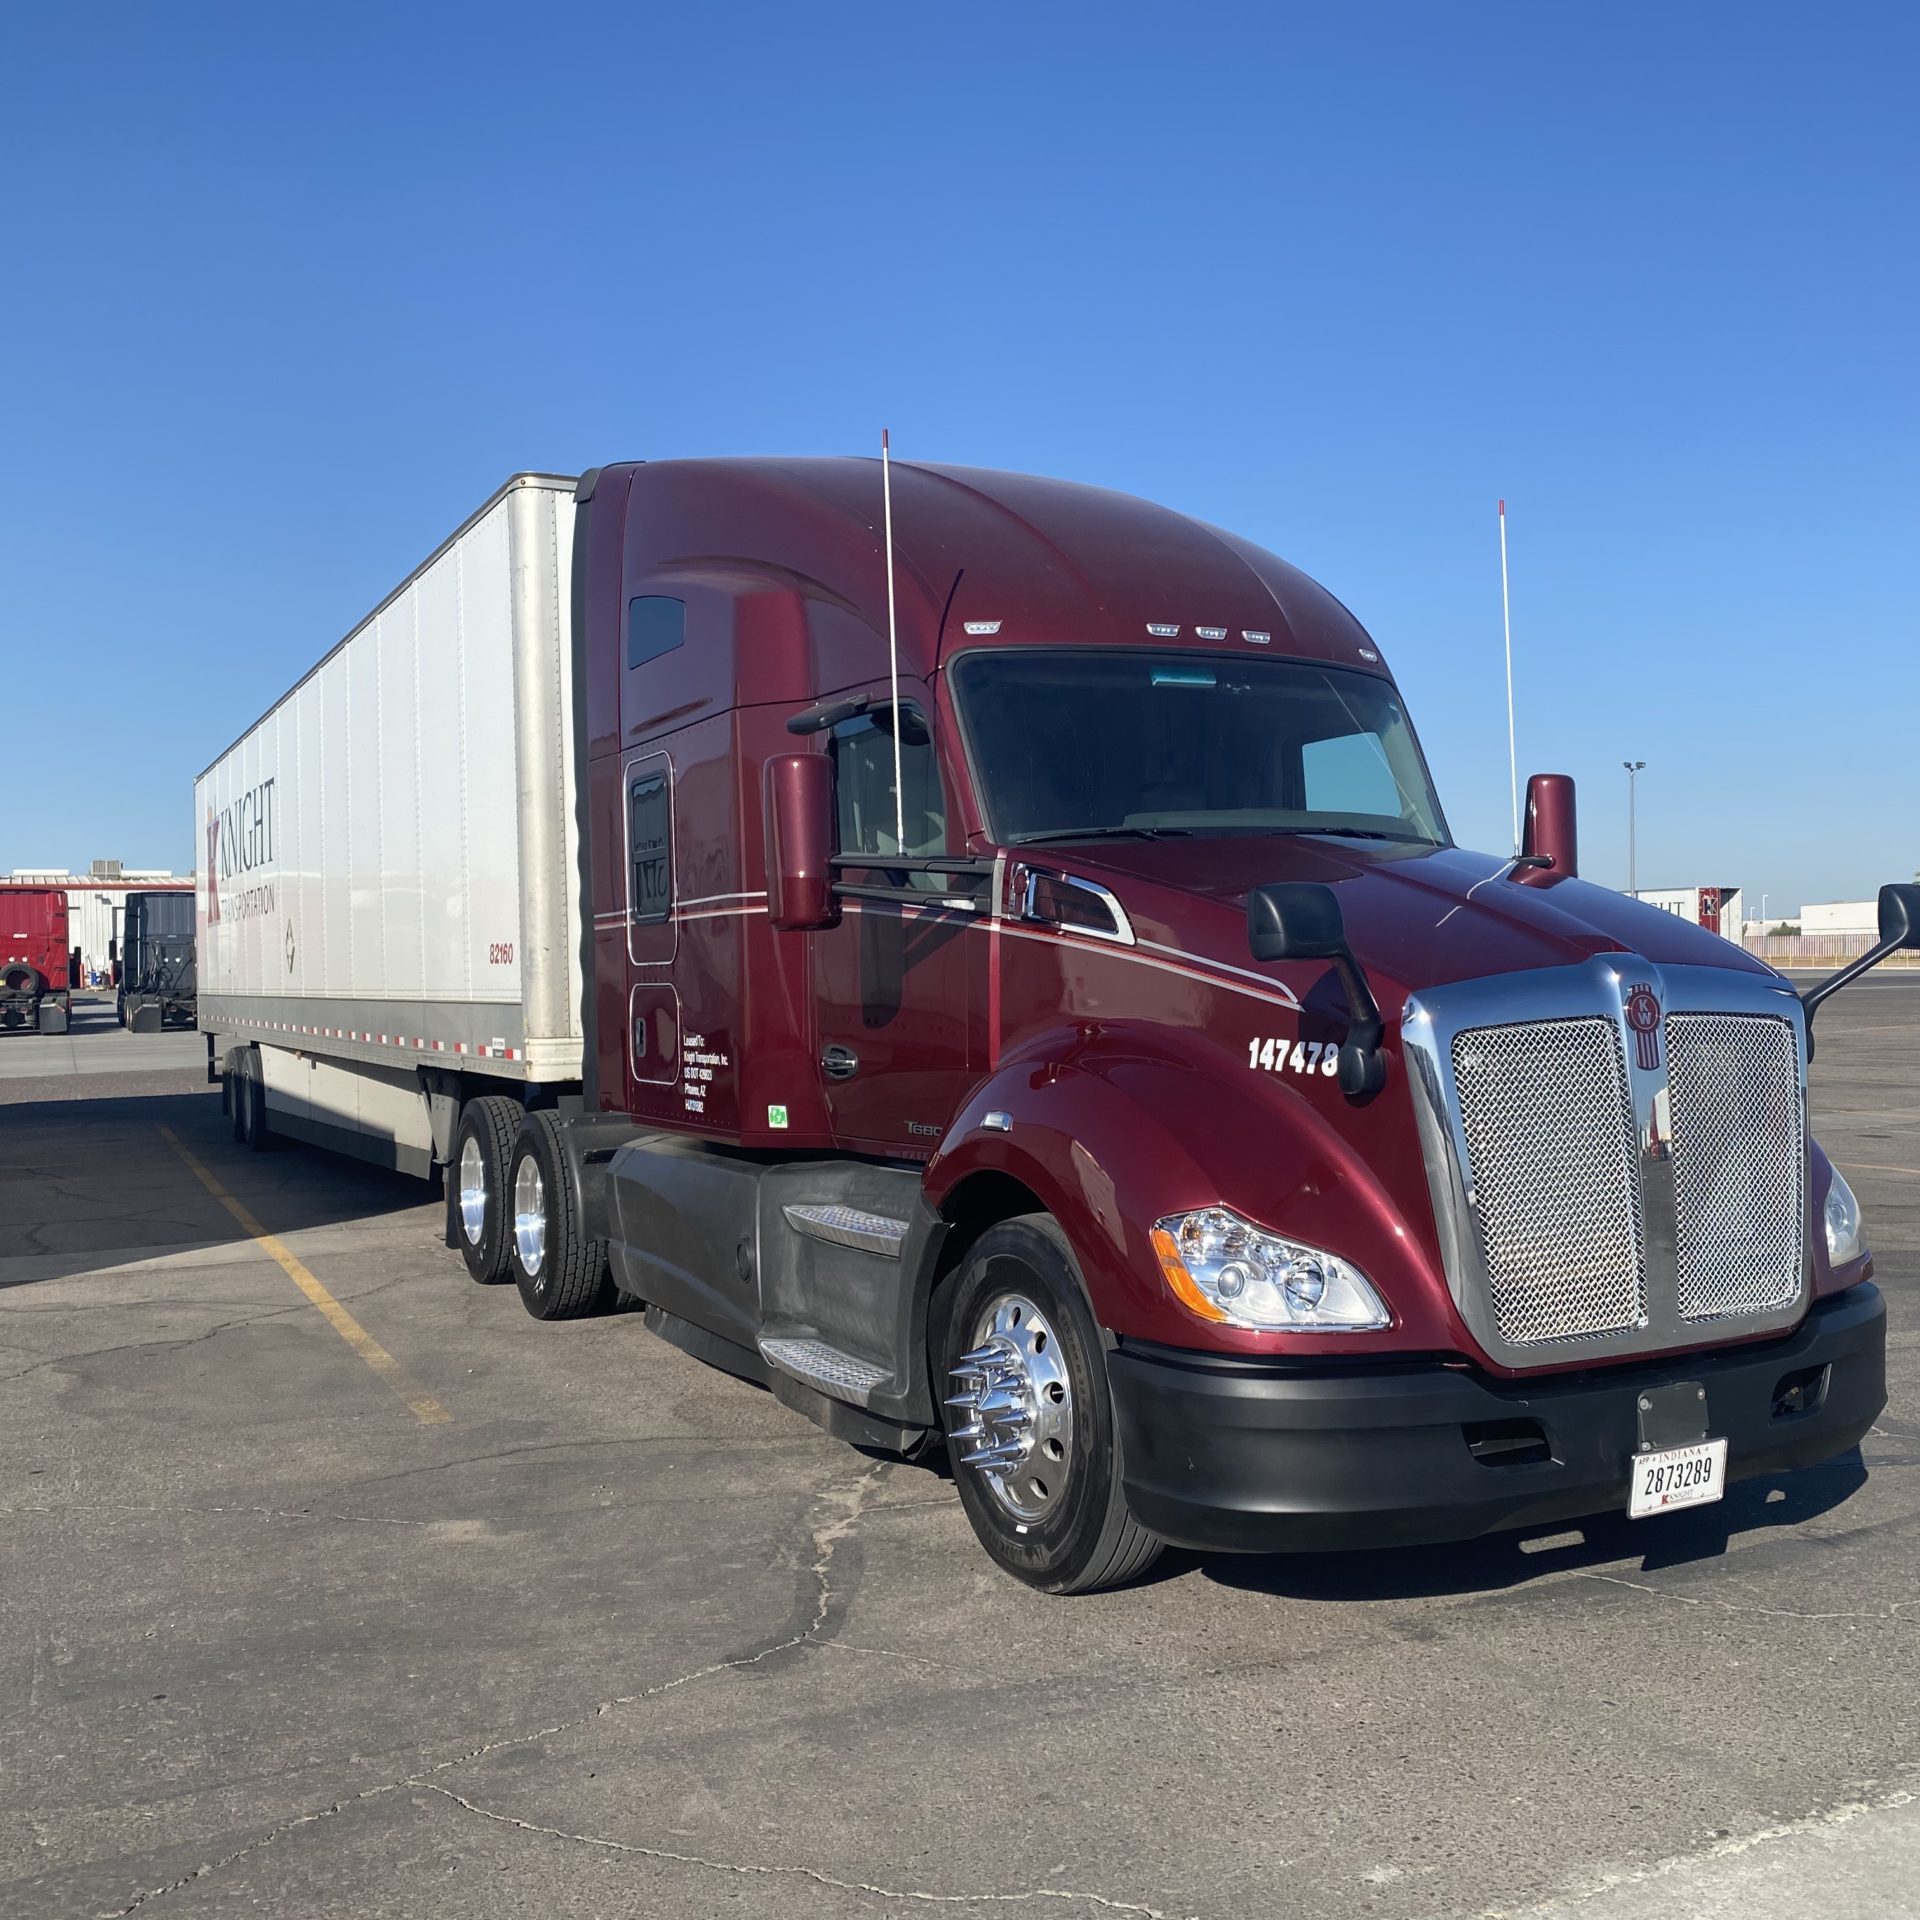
{"points": [[650, 847], [863, 780], [655, 625]]}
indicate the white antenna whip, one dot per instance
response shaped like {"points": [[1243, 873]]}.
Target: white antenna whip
{"points": [[893, 651], [1506, 619]]}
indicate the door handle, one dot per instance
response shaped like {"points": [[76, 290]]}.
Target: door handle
{"points": [[840, 1063]]}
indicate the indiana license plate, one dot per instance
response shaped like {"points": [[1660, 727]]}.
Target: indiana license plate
{"points": [[1677, 1477]]}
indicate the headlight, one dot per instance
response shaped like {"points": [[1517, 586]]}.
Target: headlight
{"points": [[1225, 1269], [1843, 1223]]}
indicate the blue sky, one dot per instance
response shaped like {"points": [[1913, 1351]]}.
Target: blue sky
{"points": [[290, 290]]}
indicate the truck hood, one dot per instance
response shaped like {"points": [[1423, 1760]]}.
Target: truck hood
{"points": [[1416, 917]]}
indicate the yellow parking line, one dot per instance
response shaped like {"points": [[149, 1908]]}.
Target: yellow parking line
{"points": [[1868, 1166], [424, 1406]]}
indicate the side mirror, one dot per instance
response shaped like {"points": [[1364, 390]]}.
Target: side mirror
{"points": [[800, 823], [1551, 833], [1899, 917], [1301, 920], [1298, 921], [1899, 932]]}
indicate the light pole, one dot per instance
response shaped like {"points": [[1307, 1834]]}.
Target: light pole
{"points": [[1633, 768]]}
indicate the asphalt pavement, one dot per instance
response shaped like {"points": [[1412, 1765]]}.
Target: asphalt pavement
{"points": [[332, 1585], [61, 1059]]}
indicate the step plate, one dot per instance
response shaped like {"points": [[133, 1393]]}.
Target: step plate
{"points": [[842, 1375], [850, 1227]]}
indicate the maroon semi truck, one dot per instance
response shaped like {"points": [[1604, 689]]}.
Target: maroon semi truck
{"points": [[1075, 1040], [35, 976]]}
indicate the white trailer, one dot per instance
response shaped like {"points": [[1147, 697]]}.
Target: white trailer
{"points": [[388, 902]]}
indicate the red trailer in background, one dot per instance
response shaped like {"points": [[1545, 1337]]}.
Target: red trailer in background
{"points": [[34, 959]]}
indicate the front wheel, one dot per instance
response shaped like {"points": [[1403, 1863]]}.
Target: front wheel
{"points": [[561, 1274], [1030, 1427]]}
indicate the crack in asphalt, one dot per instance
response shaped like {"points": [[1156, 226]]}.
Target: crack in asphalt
{"points": [[778, 1871], [710, 1444], [256, 1513], [1897, 1613], [826, 1536], [1843, 1815], [138, 1346]]}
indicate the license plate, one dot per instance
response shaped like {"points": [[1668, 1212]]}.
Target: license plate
{"points": [[1677, 1477]]}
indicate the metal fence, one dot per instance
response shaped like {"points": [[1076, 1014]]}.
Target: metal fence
{"points": [[1825, 950]]}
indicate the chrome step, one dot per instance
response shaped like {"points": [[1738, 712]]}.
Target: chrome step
{"points": [[850, 1227], [842, 1375]]}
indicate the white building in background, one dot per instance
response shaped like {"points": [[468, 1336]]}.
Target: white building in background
{"points": [[1715, 908], [1842, 916], [97, 901]]}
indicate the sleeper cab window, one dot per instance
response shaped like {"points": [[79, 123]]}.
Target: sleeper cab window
{"points": [[863, 783], [655, 625], [649, 844]]}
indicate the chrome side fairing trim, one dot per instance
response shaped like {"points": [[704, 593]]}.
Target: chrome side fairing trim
{"points": [[1600, 987]]}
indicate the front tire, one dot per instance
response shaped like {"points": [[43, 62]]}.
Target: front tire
{"points": [[477, 1185], [1030, 1427], [561, 1274]]}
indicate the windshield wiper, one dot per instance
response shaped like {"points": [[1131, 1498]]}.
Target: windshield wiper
{"points": [[1365, 833], [1098, 833]]}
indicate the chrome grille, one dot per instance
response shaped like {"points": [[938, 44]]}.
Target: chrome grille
{"points": [[1555, 1190], [1734, 1091]]}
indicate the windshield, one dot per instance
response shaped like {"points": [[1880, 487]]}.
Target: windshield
{"points": [[1070, 742]]}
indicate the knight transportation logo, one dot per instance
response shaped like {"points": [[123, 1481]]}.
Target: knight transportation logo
{"points": [[1643, 1016], [241, 845], [213, 868]]}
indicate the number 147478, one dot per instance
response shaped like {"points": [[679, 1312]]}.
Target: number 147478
{"points": [[1304, 1056]]}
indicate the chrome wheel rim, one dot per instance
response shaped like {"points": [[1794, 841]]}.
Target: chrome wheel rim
{"points": [[473, 1192], [530, 1216], [1012, 1408]]}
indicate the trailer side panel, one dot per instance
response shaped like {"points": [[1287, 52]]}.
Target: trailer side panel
{"points": [[388, 864]]}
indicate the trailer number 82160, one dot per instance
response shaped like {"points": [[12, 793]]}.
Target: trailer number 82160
{"points": [[1304, 1056]]}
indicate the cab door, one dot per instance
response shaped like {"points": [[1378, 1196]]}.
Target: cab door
{"points": [[891, 980]]}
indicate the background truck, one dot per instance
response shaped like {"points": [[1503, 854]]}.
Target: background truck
{"points": [[1060, 1029], [35, 965], [156, 984]]}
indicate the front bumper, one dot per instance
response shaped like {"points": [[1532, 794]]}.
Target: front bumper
{"points": [[1259, 1456]]}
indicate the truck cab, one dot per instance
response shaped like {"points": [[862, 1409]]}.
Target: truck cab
{"points": [[36, 969], [156, 972], [1033, 1004]]}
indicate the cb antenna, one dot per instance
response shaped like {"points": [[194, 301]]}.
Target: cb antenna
{"points": [[893, 649], [1506, 620]]}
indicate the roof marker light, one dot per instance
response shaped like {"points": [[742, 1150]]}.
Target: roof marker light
{"points": [[1210, 633], [981, 626], [1162, 631], [1257, 639]]}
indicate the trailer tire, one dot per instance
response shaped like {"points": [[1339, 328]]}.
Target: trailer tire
{"points": [[249, 1104], [477, 1185], [19, 977], [561, 1273], [1057, 1518]]}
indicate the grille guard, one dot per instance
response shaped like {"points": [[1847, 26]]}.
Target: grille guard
{"points": [[1602, 989]]}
